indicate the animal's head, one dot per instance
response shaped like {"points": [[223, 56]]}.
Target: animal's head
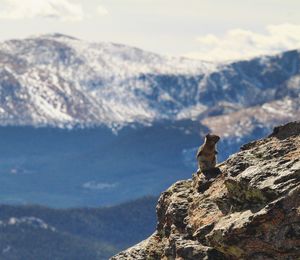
{"points": [[212, 138]]}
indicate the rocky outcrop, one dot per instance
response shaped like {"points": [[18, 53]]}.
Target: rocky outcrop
{"points": [[248, 210]]}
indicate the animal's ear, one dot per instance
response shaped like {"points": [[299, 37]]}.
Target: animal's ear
{"points": [[207, 135]]}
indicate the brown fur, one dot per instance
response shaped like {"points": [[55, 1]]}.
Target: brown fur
{"points": [[206, 155]]}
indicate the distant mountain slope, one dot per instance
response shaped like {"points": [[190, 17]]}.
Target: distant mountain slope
{"points": [[58, 80], [92, 166], [149, 112], [250, 123], [32, 232], [62, 81]]}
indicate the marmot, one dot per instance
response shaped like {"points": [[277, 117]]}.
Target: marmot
{"points": [[206, 155]]}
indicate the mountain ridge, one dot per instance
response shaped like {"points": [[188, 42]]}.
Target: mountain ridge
{"points": [[36, 232], [61, 81]]}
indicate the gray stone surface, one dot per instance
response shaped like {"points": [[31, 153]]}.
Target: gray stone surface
{"points": [[248, 210]]}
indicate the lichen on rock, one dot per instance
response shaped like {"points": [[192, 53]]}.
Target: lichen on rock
{"points": [[251, 210]]}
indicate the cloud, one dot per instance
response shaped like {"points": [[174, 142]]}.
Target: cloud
{"points": [[243, 44], [102, 10], [53, 9]]}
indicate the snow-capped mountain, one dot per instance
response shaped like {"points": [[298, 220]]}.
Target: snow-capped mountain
{"points": [[62, 81], [58, 80]]}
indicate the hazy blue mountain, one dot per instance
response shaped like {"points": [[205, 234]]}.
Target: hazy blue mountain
{"points": [[92, 167], [34, 232]]}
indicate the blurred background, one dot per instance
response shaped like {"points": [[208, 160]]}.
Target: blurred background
{"points": [[103, 105]]}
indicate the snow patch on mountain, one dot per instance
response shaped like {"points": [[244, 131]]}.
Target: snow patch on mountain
{"points": [[30, 221], [62, 81]]}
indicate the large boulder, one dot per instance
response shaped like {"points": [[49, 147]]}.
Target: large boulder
{"points": [[249, 209]]}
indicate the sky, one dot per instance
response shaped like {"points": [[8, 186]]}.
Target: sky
{"points": [[213, 30]]}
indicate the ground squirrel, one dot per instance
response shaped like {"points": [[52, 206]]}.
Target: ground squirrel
{"points": [[206, 155]]}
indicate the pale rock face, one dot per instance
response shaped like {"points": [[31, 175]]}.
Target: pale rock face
{"points": [[249, 211]]}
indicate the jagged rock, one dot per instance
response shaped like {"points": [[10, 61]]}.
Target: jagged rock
{"points": [[251, 210]]}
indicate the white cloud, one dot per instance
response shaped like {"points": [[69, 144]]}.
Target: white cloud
{"points": [[240, 44], [55, 9], [102, 10]]}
